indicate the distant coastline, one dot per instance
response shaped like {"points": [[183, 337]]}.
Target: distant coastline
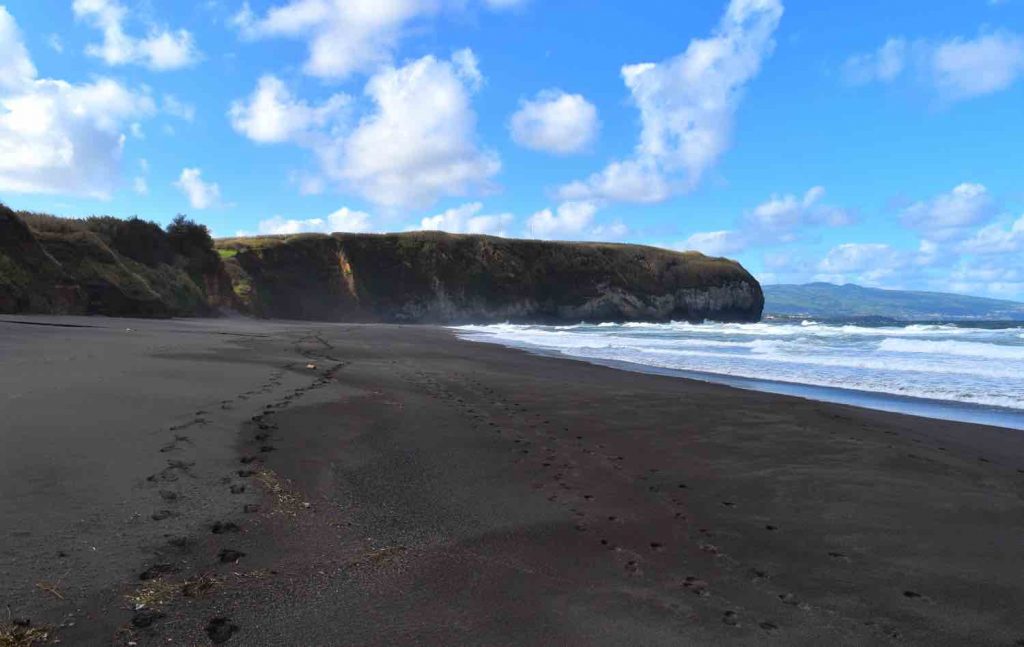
{"points": [[827, 301]]}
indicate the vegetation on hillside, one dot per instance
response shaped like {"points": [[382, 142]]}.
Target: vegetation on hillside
{"points": [[442, 278], [104, 265]]}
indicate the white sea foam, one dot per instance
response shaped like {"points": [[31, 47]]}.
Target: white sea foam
{"points": [[957, 348], [975, 365]]}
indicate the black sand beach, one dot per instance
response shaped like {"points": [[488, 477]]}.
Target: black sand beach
{"points": [[266, 483]]}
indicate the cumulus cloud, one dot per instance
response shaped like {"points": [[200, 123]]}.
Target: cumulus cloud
{"points": [[949, 215], [777, 220], [567, 220], [686, 107], [420, 143], [956, 69], [272, 114], [868, 263], [996, 239], [467, 219], [344, 36], [160, 49], [417, 144], [200, 194], [555, 122], [343, 219], [970, 68], [55, 136]]}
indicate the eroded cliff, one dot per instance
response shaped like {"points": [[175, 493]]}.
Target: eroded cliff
{"points": [[433, 277]]}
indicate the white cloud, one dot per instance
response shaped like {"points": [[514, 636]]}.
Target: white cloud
{"points": [[271, 114], [956, 69], [715, 243], [55, 43], [175, 107], [613, 231], [569, 219], [343, 219], [947, 215], [686, 107], [996, 239], [55, 136], [636, 180], [866, 263], [971, 68], [161, 49], [777, 220], [139, 183], [467, 219], [555, 122], [16, 68], [201, 195], [884, 64], [781, 214], [420, 143], [344, 36]]}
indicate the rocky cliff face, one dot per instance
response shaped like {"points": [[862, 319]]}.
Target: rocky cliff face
{"points": [[431, 277]]}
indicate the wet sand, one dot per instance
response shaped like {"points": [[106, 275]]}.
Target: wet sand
{"points": [[268, 483]]}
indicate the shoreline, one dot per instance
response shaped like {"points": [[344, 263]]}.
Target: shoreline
{"points": [[948, 410], [411, 487]]}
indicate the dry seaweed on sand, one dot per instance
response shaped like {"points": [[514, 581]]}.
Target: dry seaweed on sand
{"points": [[285, 501], [23, 634]]}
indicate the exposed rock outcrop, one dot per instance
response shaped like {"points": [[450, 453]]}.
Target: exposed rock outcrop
{"points": [[135, 268], [432, 277]]}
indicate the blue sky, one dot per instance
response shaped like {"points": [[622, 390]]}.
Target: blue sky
{"points": [[875, 142]]}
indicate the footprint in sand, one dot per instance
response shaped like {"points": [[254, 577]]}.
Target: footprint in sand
{"points": [[229, 555], [696, 586], [220, 630], [168, 495]]}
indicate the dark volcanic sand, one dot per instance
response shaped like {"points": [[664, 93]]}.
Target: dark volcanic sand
{"points": [[411, 488]]}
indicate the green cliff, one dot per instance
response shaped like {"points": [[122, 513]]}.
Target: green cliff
{"points": [[108, 266], [433, 277], [134, 268]]}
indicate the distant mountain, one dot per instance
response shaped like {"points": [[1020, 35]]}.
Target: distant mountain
{"points": [[826, 300]]}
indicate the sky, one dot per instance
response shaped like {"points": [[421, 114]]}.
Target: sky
{"points": [[874, 142]]}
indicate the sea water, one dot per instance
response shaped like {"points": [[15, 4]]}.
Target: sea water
{"points": [[960, 371]]}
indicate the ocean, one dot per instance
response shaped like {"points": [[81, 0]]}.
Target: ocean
{"points": [[973, 372]]}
